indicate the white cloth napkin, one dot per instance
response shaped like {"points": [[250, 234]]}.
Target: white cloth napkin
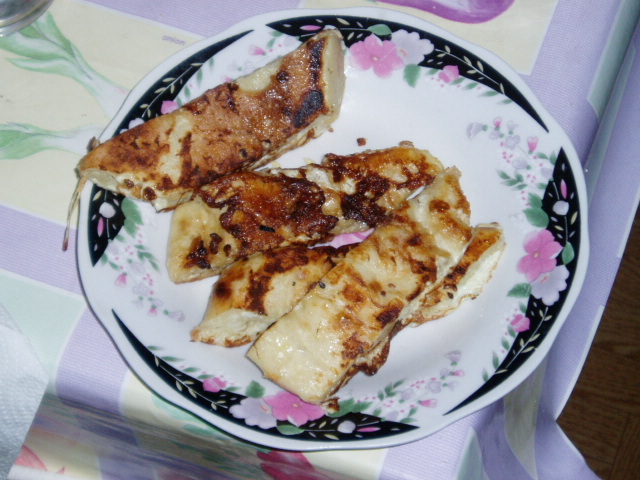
{"points": [[22, 384]]}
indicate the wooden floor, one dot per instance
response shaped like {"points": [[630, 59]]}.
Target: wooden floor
{"points": [[602, 417]]}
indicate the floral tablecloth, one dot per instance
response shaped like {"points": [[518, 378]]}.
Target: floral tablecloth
{"points": [[64, 78]]}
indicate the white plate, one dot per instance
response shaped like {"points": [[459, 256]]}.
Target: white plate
{"points": [[460, 102]]}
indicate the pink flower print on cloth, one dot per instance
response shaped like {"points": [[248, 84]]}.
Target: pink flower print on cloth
{"points": [[288, 465], [381, 55], [542, 250]]}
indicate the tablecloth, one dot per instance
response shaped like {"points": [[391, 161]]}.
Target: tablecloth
{"points": [[64, 80]]}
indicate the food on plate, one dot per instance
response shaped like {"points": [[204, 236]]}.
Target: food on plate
{"points": [[465, 280], [247, 212], [353, 310], [254, 292], [241, 124]]}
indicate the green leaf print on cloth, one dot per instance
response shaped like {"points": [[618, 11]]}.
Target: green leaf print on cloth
{"points": [[42, 47]]}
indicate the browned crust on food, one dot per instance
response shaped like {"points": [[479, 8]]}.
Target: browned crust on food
{"points": [[262, 211], [484, 239], [268, 209], [378, 284], [228, 129], [276, 262]]}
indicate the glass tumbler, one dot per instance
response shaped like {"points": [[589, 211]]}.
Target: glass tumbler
{"points": [[16, 14]]}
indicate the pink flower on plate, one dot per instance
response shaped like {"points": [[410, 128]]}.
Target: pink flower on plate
{"points": [[254, 411], [520, 323], [100, 226], [532, 143], [454, 356], [512, 141], [549, 285], [135, 122], [449, 73], [168, 106], [177, 315], [474, 128], [560, 207], [255, 50], [213, 384], [121, 281], [346, 427], [107, 210], [542, 250], [410, 47], [287, 406], [430, 403], [434, 386], [381, 55]]}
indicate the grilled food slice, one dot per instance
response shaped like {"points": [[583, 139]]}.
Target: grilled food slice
{"points": [[314, 349], [467, 279], [245, 123], [254, 292], [247, 212]]}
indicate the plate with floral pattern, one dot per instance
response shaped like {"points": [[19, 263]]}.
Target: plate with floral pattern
{"points": [[406, 80]]}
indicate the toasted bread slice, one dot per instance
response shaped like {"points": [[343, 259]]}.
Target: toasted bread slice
{"points": [[247, 212], [313, 350], [254, 292], [242, 124]]}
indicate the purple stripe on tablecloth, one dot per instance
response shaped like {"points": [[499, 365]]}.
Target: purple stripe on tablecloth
{"points": [[32, 247], [563, 73], [498, 458], [612, 207], [201, 17], [91, 371], [90, 381], [555, 456], [90, 378], [446, 450], [432, 458]]}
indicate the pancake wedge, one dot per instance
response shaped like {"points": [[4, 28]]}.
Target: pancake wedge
{"points": [[353, 310], [242, 124], [254, 292], [247, 212]]}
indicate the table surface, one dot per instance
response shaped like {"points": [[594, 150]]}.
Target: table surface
{"points": [[93, 417]]}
